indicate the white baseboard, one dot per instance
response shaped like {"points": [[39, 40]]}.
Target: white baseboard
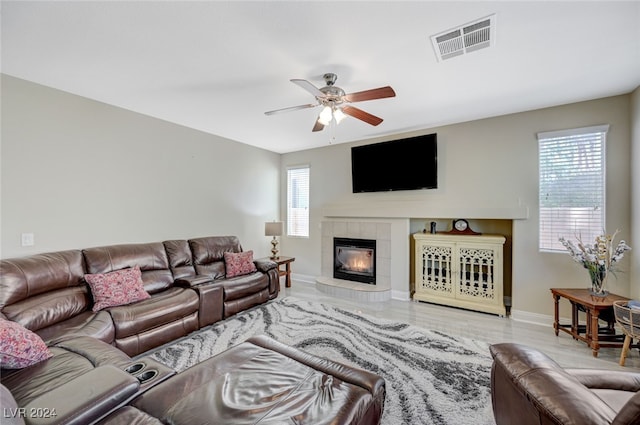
{"points": [[303, 278], [537, 319], [534, 318], [400, 295]]}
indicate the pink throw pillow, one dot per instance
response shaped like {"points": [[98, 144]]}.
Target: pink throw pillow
{"points": [[19, 347], [239, 263], [115, 288]]}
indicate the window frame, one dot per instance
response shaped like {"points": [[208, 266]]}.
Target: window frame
{"points": [[547, 241], [302, 212]]}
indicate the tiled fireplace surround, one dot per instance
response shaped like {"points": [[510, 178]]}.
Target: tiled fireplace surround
{"points": [[381, 232]]}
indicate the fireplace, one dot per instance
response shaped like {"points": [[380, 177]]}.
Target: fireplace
{"points": [[354, 259]]}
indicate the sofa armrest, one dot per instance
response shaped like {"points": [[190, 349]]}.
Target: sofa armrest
{"points": [[528, 387], [84, 399], [99, 353], [264, 265], [191, 281], [211, 297], [607, 379]]}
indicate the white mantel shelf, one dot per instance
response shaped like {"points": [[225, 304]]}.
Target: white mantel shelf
{"points": [[418, 209]]}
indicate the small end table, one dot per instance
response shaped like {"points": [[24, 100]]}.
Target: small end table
{"points": [[590, 333], [286, 262]]}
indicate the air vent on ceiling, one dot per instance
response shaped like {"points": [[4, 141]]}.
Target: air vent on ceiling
{"points": [[464, 39]]}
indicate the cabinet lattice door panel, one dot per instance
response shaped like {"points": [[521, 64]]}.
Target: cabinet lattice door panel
{"points": [[436, 264], [461, 271]]}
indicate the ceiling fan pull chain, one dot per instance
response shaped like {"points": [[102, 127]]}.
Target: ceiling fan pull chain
{"points": [[332, 130]]}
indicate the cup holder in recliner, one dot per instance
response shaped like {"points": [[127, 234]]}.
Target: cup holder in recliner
{"points": [[135, 368], [147, 375]]}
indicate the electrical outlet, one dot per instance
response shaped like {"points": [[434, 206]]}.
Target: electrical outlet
{"points": [[28, 239]]}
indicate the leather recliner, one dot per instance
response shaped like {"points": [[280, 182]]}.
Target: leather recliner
{"points": [[83, 381], [170, 313], [46, 293], [528, 387], [240, 292]]}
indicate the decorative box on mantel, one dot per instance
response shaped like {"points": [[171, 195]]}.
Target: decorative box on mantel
{"points": [[460, 271]]}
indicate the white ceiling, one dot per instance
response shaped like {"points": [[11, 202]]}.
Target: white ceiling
{"points": [[217, 66]]}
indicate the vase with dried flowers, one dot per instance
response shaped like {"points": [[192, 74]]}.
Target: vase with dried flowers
{"points": [[599, 259]]}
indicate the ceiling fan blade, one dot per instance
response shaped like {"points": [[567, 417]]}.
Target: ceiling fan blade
{"points": [[318, 126], [291, 108], [308, 87], [379, 93], [361, 115]]}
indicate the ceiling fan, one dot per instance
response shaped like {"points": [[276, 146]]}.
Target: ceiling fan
{"points": [[336, 103]]}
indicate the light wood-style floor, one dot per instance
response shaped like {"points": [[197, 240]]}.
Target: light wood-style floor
{"points": [[480, 326]]}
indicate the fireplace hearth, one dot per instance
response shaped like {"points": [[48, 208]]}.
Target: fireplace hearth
{"points": [[355, 260]]}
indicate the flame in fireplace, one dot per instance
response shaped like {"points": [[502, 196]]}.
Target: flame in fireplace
{"points": [[359, 263], [356, 260]]}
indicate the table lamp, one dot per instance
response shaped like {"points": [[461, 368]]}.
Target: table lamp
{"points": [[273, 228]]}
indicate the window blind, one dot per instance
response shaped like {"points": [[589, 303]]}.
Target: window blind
{"points": [[298, 201], [571, 185]]}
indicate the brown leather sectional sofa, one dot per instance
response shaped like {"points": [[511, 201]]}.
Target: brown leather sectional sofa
{"points": [[47, 294], [92, 378], [527, 388]]}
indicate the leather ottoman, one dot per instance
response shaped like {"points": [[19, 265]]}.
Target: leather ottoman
{"points": [[264, 381]]}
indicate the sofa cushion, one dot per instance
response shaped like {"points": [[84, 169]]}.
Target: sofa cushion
{"points": [[160, 309], [180, 260], [208, 254], [630, 412], [150, 257], [43, 289], [238, 264], [116, 288], [51, 307], [21, 278], [245, 285], [19, 347], [97, 325]]}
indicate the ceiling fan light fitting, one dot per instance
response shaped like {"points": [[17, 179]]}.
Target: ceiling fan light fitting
{"points": [[338, 115], [325, 116]]}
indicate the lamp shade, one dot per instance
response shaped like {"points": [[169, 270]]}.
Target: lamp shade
{"points": [[273, 228]]}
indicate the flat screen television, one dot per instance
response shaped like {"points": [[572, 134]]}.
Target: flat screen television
{"points": [[404, 164]]}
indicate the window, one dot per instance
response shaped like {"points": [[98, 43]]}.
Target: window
{"points": [[298, 201], [572, 185]]}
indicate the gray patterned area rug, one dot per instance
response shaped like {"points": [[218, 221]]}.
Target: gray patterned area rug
{"points": [[431, 378]]}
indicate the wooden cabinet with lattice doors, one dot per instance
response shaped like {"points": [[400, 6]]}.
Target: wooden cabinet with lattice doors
{"points": [[460, 271]]}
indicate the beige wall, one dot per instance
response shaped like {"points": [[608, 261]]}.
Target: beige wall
{"points": [[635, 194], [486, 168], [79, 173]]}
